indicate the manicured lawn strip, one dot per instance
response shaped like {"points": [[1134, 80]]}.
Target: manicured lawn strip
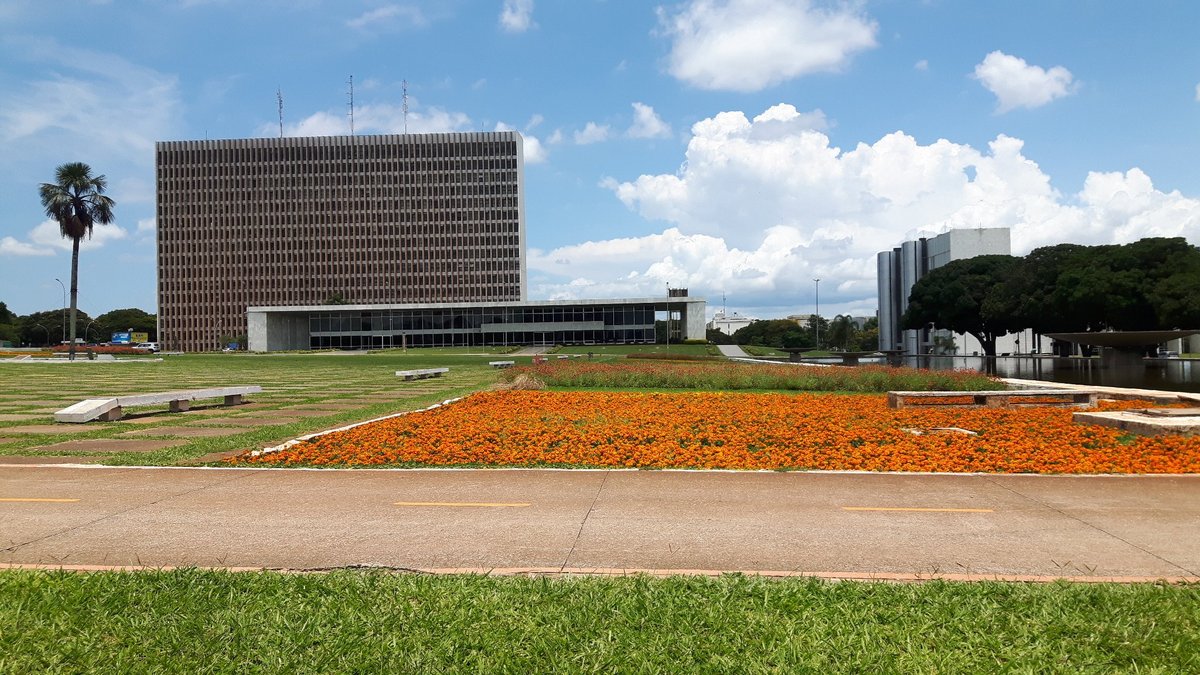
{"points": [[623, 350], [646, 374], [267, 435], [204, 621], [735, 430], [288, 381]]}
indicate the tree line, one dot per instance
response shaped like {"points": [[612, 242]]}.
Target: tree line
{"points": [[840, 333], [1151, 284], [47, 328]]}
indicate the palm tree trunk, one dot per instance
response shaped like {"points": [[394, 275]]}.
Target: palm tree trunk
{"points": [[74, 292]]}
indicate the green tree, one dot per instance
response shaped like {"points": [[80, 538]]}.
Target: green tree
{"points": [[953, 297], [8, 325], [130, 318], [843, 334], [717, 337], [41, 329], [76, 200], [773, 333], [1147, 285], [1027, 296]]}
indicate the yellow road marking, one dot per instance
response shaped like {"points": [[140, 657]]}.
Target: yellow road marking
{"points": [[33, 499], [905, 508], [508, 504]]}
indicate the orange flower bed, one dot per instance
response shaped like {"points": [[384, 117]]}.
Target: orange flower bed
{"points": [[740, 431]]}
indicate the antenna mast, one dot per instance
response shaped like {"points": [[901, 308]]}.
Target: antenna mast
{"points": [[350, 103], [279, 99], [404, 84]]}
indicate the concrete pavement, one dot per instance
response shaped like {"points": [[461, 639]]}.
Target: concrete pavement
{"points": [[827, 524], [733, 351]]}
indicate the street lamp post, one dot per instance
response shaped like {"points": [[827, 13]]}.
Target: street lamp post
{"points": [[88, 328], [817, 318], [47, 332], [64, 308]]}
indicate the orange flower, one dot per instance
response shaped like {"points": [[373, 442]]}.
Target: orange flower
{"points": [[741, 431]]}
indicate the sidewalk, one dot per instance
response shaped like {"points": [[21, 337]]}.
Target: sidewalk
{"points": [[843, 525]]}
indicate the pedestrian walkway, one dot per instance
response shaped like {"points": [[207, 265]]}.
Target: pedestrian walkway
{"points": [[845, 525], [733, 351]]}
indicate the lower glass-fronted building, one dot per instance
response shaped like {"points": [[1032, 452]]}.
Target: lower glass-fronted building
{"points": [[562, 322]]}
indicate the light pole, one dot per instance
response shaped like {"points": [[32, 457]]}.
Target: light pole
{"points": [[817, 318], [64, 310], [47, 332], [85, 330]]}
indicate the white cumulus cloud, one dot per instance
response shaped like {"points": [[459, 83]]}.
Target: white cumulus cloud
{"points": [[87, 98], [761, 206], [592, 133], [379, 118], [647, 123], [13, 247], [535, 152], [748, 45], [516, 16], [388, 18], [45, 239], [48, 234], [1017, 84]]}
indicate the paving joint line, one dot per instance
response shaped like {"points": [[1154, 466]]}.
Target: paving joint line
{"points": [[583, 523], [1091, 525], [15, 547]]}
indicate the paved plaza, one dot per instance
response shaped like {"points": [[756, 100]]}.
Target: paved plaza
{"points": [[847, 525]]}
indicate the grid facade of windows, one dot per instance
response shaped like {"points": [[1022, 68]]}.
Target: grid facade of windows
{"points": [[582, 324], [387, 219]]}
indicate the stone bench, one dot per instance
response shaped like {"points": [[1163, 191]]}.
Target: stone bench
{"points": [[1003, 398], [502, 364], [111, 409], [421, 374]]}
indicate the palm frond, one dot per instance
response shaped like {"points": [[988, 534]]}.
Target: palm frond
{"points": [[76, 200]]}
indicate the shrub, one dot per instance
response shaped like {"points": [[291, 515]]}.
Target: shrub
{"points": [[655, 372], [100, 349]]}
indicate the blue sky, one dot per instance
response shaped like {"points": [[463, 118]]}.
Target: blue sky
{"points": [[737, 147]]}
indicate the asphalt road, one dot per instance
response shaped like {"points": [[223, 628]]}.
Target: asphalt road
{"points": [[828, 524]]}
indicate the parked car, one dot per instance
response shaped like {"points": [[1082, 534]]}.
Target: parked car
{"points": [[148, 346]]}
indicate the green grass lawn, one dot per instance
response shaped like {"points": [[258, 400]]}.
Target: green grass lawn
{"points": [[623, 350], [354, 386], [199, 621]]}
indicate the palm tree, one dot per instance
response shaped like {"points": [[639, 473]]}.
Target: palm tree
{"points": [[76, 200]]}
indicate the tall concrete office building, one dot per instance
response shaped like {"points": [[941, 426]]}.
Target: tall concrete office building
{"points": [[363, 220], [901, 267]]}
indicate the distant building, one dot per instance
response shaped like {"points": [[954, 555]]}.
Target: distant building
{"points": [[729, 323], [378, 220], [366, 242], [901, 268]]}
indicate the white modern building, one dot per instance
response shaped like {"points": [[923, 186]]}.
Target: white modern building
{"points": [[729, 322], [900, 268]]}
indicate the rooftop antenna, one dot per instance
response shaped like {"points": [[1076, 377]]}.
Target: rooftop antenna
{"points": [[350, 103], [404, 86], [279, 99]]}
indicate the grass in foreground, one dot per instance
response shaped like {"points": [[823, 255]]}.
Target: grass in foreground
{"points": [[194, 621]]}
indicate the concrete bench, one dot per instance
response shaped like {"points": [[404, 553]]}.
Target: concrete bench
{"points": [[422, 373], [502, 364], [995, 399], [111, 409]]}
